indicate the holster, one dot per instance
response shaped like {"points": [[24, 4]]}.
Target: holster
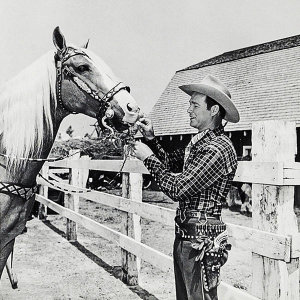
{"points": [[210, 267], [209, 239]]}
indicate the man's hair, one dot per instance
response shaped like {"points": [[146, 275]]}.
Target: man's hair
{"points": [[211, 102]]}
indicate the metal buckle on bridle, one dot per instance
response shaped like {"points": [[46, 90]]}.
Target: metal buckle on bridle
{"points": [[67, 72]]}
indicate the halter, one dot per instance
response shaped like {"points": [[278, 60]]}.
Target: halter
{"points": [[60, 59]]}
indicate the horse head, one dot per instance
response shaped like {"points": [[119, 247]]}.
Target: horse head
{"points": [[84, 84], [32, 105]]}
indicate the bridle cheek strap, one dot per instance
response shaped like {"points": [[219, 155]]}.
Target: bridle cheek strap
{"points": [[83, 86]]}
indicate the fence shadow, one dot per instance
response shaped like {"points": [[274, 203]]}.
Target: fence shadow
{"points": [[115, 271]]}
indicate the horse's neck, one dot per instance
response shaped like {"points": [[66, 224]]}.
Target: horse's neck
{"points": [[27, 174]]}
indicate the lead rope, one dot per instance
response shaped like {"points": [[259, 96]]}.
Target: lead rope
{"points": [[123, 164]]}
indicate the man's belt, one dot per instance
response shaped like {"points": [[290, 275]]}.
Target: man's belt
{"points": [[183, 214], [198, 229]]}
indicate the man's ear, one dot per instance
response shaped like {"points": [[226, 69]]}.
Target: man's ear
{"points": [[214, 110]]}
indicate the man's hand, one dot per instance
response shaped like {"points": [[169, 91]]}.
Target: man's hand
{"points": [[146, 128], [140, 150]]}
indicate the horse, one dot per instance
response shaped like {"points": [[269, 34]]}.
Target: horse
{"points": [[65, 80]]}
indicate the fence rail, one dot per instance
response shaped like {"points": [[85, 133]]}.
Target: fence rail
{"points": [[156, 258], [272, 173]]}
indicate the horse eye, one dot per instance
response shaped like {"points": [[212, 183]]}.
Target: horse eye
{"points": [[83, 68]]}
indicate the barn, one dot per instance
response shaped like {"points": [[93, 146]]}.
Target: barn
{"points": [[264, 83]]}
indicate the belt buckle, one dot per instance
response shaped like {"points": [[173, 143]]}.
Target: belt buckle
{"points": [[201, 221]]}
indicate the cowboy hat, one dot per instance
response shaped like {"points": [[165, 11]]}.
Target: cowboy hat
{"points": [[215, 89]]}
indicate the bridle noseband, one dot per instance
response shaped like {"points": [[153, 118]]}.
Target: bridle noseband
{"points": [[60, 59]]}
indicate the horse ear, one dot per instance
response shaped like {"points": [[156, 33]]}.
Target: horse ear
{"points": [[86, 45], [59, 40]]}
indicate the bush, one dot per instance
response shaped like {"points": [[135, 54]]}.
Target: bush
{"points": [[95, 148]]}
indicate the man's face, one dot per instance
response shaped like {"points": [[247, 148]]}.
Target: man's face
{"points": [[200, 116]]}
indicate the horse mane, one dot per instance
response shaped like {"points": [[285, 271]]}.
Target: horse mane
{"points": [[25, 109]]}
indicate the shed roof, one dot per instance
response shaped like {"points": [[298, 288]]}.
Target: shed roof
{"points": [[264, 81]]}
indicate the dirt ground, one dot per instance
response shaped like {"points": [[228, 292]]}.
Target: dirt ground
{"points": [[154, 284]]}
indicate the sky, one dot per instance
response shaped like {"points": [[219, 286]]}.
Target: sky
{"points": [[143, 41]]}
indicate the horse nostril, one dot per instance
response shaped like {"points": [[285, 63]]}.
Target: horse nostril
{"points": [[132, 108], [129, 107]]}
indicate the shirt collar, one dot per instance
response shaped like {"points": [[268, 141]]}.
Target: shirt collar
{"points": [[217, 131], [196, 138]]}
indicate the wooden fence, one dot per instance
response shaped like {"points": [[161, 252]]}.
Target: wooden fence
{"points": [[274, 239]]}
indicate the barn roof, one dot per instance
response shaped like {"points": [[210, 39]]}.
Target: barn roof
{"points": [[264, 81]]}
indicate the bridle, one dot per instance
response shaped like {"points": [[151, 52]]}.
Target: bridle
{"points": [[61, 69]]}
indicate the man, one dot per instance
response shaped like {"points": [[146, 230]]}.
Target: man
{"points": [[199, 178]]}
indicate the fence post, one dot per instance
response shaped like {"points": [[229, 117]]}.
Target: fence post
{"points": [[83, 174], [43, 191], [131, 226], [72, 201], [273, 211]]}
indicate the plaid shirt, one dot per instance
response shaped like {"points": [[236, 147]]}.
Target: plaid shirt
{"points": [[202, 181]]}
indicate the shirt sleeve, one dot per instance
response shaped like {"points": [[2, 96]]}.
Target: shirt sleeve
{"points": [[172, 161], [201, 173]]}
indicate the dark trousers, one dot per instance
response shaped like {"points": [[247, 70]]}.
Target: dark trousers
{"points": [[187, 271]]}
